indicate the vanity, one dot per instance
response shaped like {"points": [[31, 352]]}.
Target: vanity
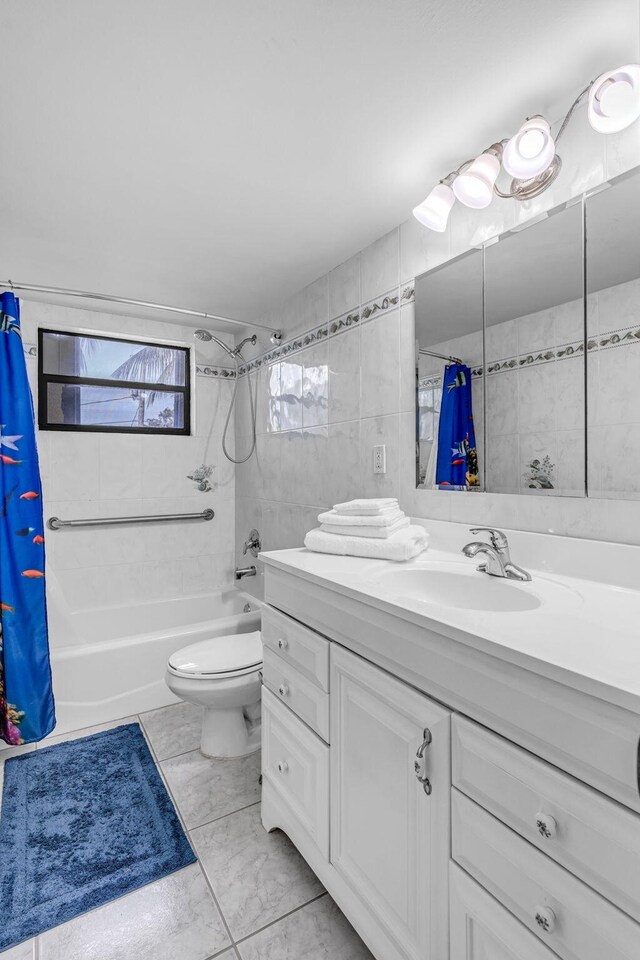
{"points": [[456, 756]]}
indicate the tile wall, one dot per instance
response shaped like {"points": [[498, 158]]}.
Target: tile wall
{"points": [[106, 475], [348, 383]]}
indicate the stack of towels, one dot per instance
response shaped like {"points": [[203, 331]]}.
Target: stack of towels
{"points": [[368, 528]]}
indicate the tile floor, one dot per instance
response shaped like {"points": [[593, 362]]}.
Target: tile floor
{"points": [[251, 896]]}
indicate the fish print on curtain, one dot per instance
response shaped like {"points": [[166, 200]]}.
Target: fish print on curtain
{"points": [[26, 699], [457, 464]]}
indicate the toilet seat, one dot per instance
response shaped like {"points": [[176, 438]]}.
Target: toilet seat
{"points": [[233, 655]]}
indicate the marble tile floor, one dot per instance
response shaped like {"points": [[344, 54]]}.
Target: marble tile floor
{"points": [[251, 896]]}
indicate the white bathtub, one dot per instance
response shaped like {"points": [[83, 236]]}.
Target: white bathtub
{"points": [[115, 663]]}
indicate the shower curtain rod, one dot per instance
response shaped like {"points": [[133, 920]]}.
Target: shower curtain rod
{"points": [[442, 356], [85, 295]]}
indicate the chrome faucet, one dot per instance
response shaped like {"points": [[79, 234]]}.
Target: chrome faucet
{"points": [[241, 572], [252, 543], [498, 562]]}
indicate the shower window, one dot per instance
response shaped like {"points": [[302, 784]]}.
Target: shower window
{"points": [[108, 385]]}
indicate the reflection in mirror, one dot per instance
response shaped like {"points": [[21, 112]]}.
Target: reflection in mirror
{"points": [[613, 328], [534, 349], [449, 342]]}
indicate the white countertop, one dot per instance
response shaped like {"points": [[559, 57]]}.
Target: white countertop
{"points": [[585, 634]]}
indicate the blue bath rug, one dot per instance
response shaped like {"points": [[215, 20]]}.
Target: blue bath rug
{"points": [[83, 822]]}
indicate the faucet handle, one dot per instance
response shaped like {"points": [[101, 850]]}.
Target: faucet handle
{"points": [[498, 538]]}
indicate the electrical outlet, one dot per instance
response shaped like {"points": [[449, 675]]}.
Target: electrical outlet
{"points": [[380, 459]]}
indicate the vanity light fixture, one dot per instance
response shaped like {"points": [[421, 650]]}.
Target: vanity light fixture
{"points": [[614, 99], [474, 187], [530, 157], [530, 152], [434, 211]]}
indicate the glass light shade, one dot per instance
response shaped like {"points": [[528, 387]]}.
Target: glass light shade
{"points": [[530, 151], [434, 211], [474, 187], [614, 99]]}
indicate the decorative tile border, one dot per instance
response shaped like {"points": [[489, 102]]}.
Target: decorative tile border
{"points": [[218, 372], [617, 338], [347, 321]]}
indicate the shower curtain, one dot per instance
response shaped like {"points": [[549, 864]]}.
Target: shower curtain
{"points": [[26, 699], [457, 463]]}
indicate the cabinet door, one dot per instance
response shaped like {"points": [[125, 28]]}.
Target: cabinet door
{"points": [[389, 837], [481, 928]]}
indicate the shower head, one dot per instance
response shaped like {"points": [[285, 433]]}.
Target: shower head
{"points": [[206, 336]]}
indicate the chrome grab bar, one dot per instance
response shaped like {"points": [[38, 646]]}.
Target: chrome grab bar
{"points": [[55, 523]]}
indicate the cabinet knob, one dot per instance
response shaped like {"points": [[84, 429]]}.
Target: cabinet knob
{"points": [[283, 766], [546, 919], [283, 643], [283, 690], [546, 825]]}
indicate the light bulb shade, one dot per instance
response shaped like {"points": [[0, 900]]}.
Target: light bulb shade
{"points": [[434, 211], [614, 99], [474, 187], [531, 151]]}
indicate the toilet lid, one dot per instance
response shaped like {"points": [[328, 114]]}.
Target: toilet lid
{"points": [[227, 654]]}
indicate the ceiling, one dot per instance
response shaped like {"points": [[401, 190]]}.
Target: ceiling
{"points": [[220, 155]]}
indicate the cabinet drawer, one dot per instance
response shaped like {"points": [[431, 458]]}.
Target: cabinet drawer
{"points": [[307, 651], [296, 764], [481, 928], [594, 837], [303, 697], [566, 914]]}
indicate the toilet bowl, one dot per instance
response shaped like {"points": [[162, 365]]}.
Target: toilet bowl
{"points": [[222, 675]]}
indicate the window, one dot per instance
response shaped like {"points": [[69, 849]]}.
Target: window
{"points": [[112, 386]]}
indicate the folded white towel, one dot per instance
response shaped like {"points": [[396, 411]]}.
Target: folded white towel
{"points": [[353, 530], [403, 545], [366, 508], [384, 519]]}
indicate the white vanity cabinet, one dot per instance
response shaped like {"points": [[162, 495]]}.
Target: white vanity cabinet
{"points": [[389, 818], [371, 811], [527, 846]]}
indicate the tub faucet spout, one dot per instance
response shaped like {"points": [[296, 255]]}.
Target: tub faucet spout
{"points": [[241, 572]]}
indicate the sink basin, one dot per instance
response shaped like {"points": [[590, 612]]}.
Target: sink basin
{"points": [[456, 585]]}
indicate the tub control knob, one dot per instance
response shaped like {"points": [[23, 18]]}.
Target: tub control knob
{"points": [[546, 919], [283, 643], [283, 690], [546, 825], [283, 766]]}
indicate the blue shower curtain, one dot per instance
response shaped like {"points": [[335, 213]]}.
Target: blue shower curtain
{"points": [[26, 699], [457, 463]]}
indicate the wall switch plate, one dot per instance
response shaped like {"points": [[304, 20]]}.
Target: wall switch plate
{"points": [[380, 459]]}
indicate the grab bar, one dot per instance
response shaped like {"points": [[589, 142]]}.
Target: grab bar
{"points": [[55, 523]]}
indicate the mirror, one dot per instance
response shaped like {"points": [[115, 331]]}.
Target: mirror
{"points": [[613, 328], [534, 347], [449, 343], [500, 335]]}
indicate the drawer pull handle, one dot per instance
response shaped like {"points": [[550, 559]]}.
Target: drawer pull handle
{"points": [[420, 763], [283, 766], [546, 919], [546, 825], [283, 690], [283, 643]]}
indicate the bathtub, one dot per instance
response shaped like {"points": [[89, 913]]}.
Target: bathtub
{"points": [[114, 660]]}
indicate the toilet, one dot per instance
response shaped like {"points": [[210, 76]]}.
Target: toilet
{"points": [[222, 674]]}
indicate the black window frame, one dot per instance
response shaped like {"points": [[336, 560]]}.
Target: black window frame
{"points": [[44, 379]]}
